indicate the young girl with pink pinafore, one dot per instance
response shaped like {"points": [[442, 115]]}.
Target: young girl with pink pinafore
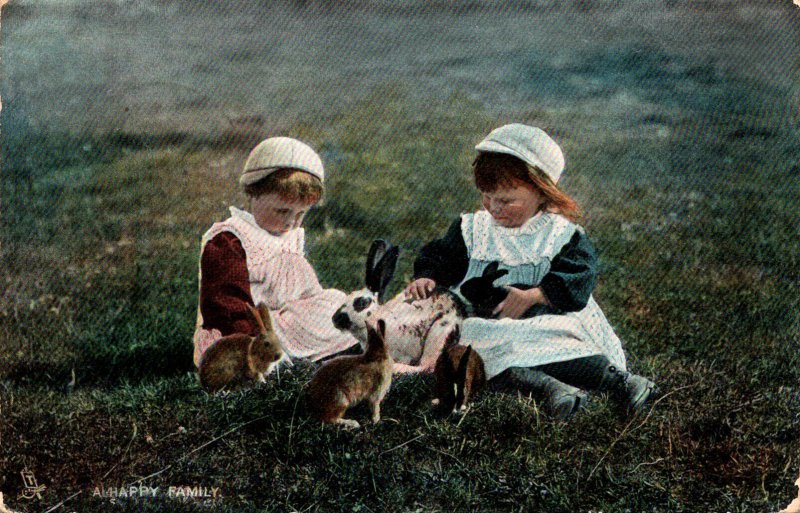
{"points": [[257, 255]]}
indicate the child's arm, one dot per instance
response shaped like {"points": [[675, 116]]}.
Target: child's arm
{"points": [[522, 301], [572, 276], [565, 288], [444, 260], [225, 286]]}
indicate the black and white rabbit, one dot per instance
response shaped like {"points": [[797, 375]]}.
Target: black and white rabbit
{"points": [[416, 330], [483, 295], [361, 304], [481, 292]]}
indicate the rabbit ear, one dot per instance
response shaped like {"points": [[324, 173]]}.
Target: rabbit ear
{"points": [[461, 372], [492, 272], [256, 317], [498, 274], [381, 264], [385, 269], [461, 377], [491, 268], [266, 318], [376, 335], [376, 252], [261, 316]]}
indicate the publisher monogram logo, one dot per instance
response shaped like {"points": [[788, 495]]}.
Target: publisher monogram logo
{"points": [[32, 488]]}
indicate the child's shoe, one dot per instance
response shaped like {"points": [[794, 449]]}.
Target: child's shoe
{"points": [[561, 401], [630, 390]]}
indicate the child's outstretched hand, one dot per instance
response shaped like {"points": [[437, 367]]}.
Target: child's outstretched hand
{"points": [[420, 288], [519, 301]]}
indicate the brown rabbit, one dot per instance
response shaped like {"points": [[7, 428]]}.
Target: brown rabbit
{"points": [[347, 380], [239, 360], [459, 377]]}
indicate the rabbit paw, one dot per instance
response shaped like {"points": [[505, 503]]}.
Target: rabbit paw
{"points": [[348, 424]]}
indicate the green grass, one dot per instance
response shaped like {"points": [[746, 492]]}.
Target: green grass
{"points": [[698, 240]]}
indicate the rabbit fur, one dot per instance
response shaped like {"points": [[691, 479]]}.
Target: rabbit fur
{"points": [[416, 331], [239, 359], [460, 376], [481, 292], [347, 380], [483, 295]]}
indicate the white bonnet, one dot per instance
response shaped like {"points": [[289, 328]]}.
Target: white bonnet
{"points": [[528, 143], [279, 153]]}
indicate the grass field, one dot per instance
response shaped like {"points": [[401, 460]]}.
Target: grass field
{"points": [[681, 141]]}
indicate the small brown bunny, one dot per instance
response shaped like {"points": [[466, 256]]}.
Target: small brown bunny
{"points": [[460, 375], [347, 380], [239, 360]]}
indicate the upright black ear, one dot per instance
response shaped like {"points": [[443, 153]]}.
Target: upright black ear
{"points": [[461, 377], [453, 337], [386, 268], [492, 272], [381, 264], [376, 252], [461, 372], [491, 268]]}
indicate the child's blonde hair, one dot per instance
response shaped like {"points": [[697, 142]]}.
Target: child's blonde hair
{"points": [[291, 184], [492, 170]]}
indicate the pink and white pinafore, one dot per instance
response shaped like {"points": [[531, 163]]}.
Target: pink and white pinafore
{"points": [[281, 277]]}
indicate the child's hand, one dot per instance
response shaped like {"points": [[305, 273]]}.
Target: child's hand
{"points": [[420, 288], [519, 301]]}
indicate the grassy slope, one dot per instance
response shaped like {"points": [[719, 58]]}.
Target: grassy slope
{"points": [[691, 202]]}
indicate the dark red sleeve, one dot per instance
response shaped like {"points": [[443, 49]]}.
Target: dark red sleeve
{"points": [[225, 286]]}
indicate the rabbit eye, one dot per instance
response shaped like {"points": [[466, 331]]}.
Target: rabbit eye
{"points": [[361, 303]]}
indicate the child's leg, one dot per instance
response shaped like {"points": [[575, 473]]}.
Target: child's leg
{"points": [[302, 311], [597, 373], [586, 373], [305, 327], [561, 400]]}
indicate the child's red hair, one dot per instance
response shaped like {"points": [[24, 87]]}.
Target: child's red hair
{"points": [[290, 184], [492, 170]]}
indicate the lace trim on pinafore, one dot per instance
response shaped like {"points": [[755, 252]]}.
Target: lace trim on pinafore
{"points": [[525, 251]]}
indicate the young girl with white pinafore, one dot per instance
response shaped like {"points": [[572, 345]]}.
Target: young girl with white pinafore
{"points": [[548, 336], [258, 256]]}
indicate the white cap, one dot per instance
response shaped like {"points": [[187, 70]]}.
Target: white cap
{"points": [[528, 143], [280, 153]]}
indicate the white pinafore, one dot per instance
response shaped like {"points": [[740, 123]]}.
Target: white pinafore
{"points": [[526, 252], [281, 277]]}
